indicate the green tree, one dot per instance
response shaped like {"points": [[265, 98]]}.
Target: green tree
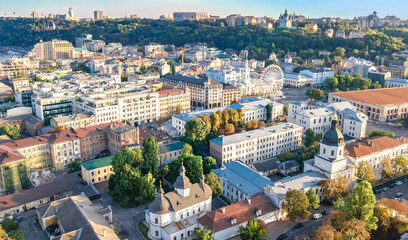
{"points": [[9, 225], [315, 94], [150, 154], [365, 172], [216, 121], [286, 156], [187, 148], [214, 182], [360, 205], [333, 189], [193, 165], [209, 164], [268, 112], [147, 187], [311, 137], [202, 234], [314, 200], [387, 171], [380, 133], [196, 130], [11, 131], [400, 165], [254, 230], [285, 109], [333, 82], [297, 204]]}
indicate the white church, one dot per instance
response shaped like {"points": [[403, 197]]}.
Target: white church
{"points": [[173, 216]]}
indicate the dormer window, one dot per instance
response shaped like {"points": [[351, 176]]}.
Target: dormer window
{"points": [[258, 212], [233, 221]]}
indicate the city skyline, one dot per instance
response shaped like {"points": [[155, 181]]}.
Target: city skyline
{"points": [[155, 8]]}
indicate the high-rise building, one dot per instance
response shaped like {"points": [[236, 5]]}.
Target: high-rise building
{"points": [[54, 49], [35, 14], [71, 13], [98, 15]]}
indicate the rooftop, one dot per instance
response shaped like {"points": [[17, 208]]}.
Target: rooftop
{"points": [[174, 146], [381, 97], [372, 146], [97, 163]]}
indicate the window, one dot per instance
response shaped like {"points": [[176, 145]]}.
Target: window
{"points": [[332, 152], [181, 216], [156, 220], [157, 233]]}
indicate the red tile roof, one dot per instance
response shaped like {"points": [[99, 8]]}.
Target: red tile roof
{"points": [[372, 146], [381, 97], [83, 132], [169, 91], [242, 211]]}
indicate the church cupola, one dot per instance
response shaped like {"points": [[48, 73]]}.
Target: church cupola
{"points": [[182, 184]]}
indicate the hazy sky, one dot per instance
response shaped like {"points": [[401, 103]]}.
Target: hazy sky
{"points": [[155, 8]]}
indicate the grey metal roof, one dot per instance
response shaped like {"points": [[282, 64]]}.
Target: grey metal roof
{"points": [[247, 180]]}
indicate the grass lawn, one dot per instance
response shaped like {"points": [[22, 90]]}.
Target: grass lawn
{"points": [[143, 229]]}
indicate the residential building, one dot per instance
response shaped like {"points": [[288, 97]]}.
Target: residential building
{"points": [[54, 49], [329, 32], [340, 34], [169, 152], [198, 16], [65, 148], [319, 75], [396, 71], [174, 215], [256, 145], [98, 170], [46, 104], [312, 27], [296, 79], [20, 82], [16, 203], [240, 182], [384, 104], [120, 137], [395, 82], [172, 100], [195, 56], [75, 121], [356, 35], [98, 15], [225, 222], [252, 107], [77, 217], [152, 48], [379, 76]]}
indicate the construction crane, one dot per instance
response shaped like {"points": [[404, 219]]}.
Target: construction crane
{"points": [[182, 57]]}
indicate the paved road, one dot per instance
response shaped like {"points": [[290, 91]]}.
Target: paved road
{"points": [[29, 229], [127, 218]]}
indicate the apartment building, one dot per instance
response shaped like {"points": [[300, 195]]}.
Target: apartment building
{"points": [[173, 100], [318, 115], [319, 75], [259, 144], [396, 71], [48, 104], [98, 170], [120, 137], [54, 49], [296, 79], [152, 48], [181, 16], [253, 109], [75, 121], [20, 82], [384, 104], [65, 147]]}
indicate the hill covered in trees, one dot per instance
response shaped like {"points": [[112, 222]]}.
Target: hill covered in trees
{"points": [[259, 42]]}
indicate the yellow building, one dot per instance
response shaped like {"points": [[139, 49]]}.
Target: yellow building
{"points": [[54, 49], [98, 170], [173, 100]]}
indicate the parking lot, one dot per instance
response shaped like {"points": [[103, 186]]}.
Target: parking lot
{"points": [[30, 228]]}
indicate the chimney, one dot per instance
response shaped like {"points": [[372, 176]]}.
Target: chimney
{"points": [[104, 233], [249, 201], [223, 210], [371, 143]]}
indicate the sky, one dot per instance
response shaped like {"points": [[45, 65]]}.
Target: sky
{"points": [[258, 8]]}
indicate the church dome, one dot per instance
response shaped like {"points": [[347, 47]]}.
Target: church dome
{"points": [[182, 181], [333, 135], [160, 205]]}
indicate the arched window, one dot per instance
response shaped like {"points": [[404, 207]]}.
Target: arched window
{"points": [[157, 233], [182, 235], [188, 233], [156, 220], [175, 238]]}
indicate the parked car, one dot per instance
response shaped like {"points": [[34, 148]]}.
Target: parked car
{"points": [[384, 189], [299, 225], [18, 219], [282, 236], [399, 194], [398, 199], [317, 216], [391, 185], [405, 180], [83, 182], [398, 183], [326, 212], [377, 191]]}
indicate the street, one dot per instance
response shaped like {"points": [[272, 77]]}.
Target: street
{"points": [[383, 126]]}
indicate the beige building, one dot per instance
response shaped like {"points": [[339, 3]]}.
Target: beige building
{"points": [[256, 145], [172, 99], [20, 82], [54, 49], [65, 147], [385, 104], [98, 170], [73, 121]]}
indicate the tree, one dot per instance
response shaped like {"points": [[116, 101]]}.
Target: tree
{"points": [[286, 109], [314, 200], [196, 130], [333, 189], [355, 229], [380, 133], [325, 232], [202, 234], [209, 164], [365, 172], [9, 225], [193, 165], [297, 204], [150, 154], [315, 94], [178, 109], [214, 182], [387, 171], [216, 121], [229, 129], [311, 137], [391, 219], [11, 131], [254, 230], [187, 148], [268, 112], [333, 82], [400, 165], [286, 156], [360, 205], [147, 187], [251, 125]]}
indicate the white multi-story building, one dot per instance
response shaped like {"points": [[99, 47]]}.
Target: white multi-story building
{"points": [[228, 76], [317, 116], [395, 82], [319, 75], [65, 148], [256, 145], [296, 79], [253, 109], [174, 215], [195, 56], [153, 47]]}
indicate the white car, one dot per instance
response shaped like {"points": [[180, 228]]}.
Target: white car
{"points": [[317, 216], [398, 183], [398, 199]]}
